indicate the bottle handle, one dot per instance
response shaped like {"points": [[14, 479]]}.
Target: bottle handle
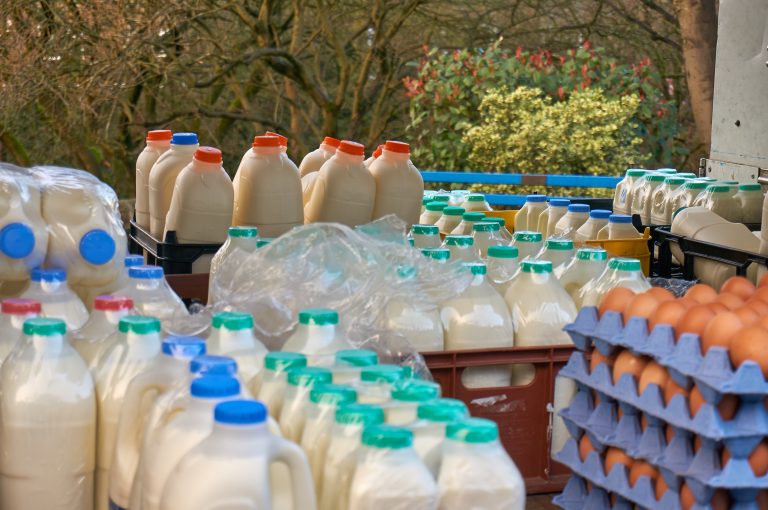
{"points": [[301, 476]]}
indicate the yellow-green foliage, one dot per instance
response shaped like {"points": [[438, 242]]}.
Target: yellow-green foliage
{"points": [[527, 131]]}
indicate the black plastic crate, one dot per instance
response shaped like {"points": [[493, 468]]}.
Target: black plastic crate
{"points": [[173, 257]]}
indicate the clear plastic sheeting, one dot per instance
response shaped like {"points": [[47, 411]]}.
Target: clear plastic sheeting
{"points": [[676, 286]]}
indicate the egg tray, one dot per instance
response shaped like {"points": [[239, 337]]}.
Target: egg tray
{"points": [[577, 496]]}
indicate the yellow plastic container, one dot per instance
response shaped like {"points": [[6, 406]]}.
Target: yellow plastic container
{"points": [[508, 216], [632, 248]]}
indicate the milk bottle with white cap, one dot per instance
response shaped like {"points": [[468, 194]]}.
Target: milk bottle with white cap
{"points": [[528, 243], [231, 466], [556, 209], [588, 264], [13, 313], [619, 227], [622, 198], [527, 218], [450, 219], [433, 211], [350, 362], [317, 336], [502, 266], [390, 473], [315, 159], [486, 234], [468, 221], [240, 242], [642, 201], [232, 335], [158, 142], [462, 247], [273, 380], [296, 397], [376, 383], [407, 395], [566, 227], [750, 197], [426, 236], [103, 322], [598, 218], [47, 423], [399, 185], [151, 294], [473, 201], [557, 251], [49, 288], [429, 430], [162, 178], [476, 471]]}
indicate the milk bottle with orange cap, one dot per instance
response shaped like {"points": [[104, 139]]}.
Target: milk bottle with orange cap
{"points": [[162, 178], [374, 155], [13, 313], [157, 143], [49, 287], [284, 150], [399, 185], [315, 159], [92, 338]]}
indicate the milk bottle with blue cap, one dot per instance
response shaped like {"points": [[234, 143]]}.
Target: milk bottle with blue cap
{"points": [[556, 209], [619, 227], [232, 335], [273, 380], [349, 364], [241, 241], [49, 287], [317, 336], [158, 142], [151, 294], [102, 324], [429, 429], [88, 294], [296, 397], [14, 312], [232, 465], [598, 218], [527, 218], [566, 227], [162, 178]]}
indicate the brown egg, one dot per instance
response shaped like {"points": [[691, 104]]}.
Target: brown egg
{"points": [[661, 295], [642, 305], [616, 300], [669, 312], [702, 293], [671, 389], [720, 330], [758, 459], [585, 447], [763, 322], [750, 343], [653, 373], [730, 301], [687, 302], [761, 294], [695, 321], [598, 358], [720, 500], [697, 444], [759, 306], [686, 497], [718, 308], [763, 281], [661, 488], [615, 456], [727, 406], [739, 286], [669, 433], [642, 468], [747, 315], [628, 363]]}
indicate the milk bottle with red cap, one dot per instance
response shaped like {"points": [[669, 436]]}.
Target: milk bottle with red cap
{"points": [[157, 143], [374, 155], [267, 190], [91, 339], [344, 190], [49, 287], [399, 185], [13, 313], [284, 150], [315, 159], [162, 179]]}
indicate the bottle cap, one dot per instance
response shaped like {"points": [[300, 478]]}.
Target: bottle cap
{"points": [[49, 275], [382, 373], [353, 148], [436, 206], [133, 261], [750, 187], [524, 236], [282, 139], [624, 264], [394, 146], [214, 386], [263, 242], [377, 153], [139, 324], [696, 184], [486, 226], [318, 316], [233, 321], [476, 268], [20, 306], [211, 364], [265, 141], [441, 198], [636, 172], [667, 171], [437, 253], [443, 410], [475, 197], [619, 218], [453, 211], [536, 266], [335, 394], [112, 303], [716, 188], [599, 214], [412, 390], [145, 272], [282, 361], [558, 244], [536, 198], [473, 430], [240, 412], [184, 139], [309, 376], [17, 240], [208, 155], [360, 414], [578, 208], [459, 240], [97, 247], [674, 181], [186, 347], [243, 232], [473, 216], [333, 142], [655, 177], [159, 135], [357, 357], [559, 202], [44, 327], [387, 437], [591, 254], [426, 230], [503, 252], [500, 221]]}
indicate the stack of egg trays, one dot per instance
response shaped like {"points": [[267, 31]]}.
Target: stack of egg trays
{"points": [[714, 377]]}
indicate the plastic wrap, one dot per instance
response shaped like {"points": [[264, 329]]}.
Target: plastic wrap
{"points": [[557, 251], [474, 202], [91, 339], [232, 335], [720, 200], [503, 263], [50, 288], [589, 263], [528, 243], [676, 286], [487, 234], [566, 227], [462, 248], [621, 272], [13, 314]]}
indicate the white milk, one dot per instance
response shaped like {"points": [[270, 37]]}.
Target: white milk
{"points": [[315, 159], [296, 397], [566, 227], [429, 430], [450, 219], [376, 383], [134, 349], [528, 243], [486, 234], [619, 227], [284, 150], [273, 379], [622, 198], [232, 335], [93, 337], [691, 192], [503, 263], [527, 218], [343, 448], [556, 209], [476, 471], [720, 200], [151, 294], [472, 201], [478, 318], [162, 178], [588, 264], [349, 363], [138, 401], [231, 467], [344, 190], [399, 185], [307, 187], [90, 293], [157, 143], [374, 155], [407, 395], [433, 211], [462, 248], [320, 416], [621, 272], [240, 242], [661, 200], [750, 197], [390, 474], [267, 190], [49, 288], [13, 313], [419, 324], [642, 202], [468, 221], [426, 236], [317, 336], [184, 430], [598, 218], [47, 423], [557, 251]]}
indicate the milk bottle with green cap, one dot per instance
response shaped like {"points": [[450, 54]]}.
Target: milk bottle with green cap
{"points": [[320, 414], [317, 337], [429, 429], [621, 272], [528, 243], [441, 255], [475, 202], [462, 248], [47, 422], [433, 211], [556, 209], [376, 383], [557, 251], [240, 242], [527, 218], [162, 178], [450, 219], [486, 234], [643, 200], [426, 236], [598, 218], [476, 471], [566, 227], [622, 198], [414, 317], [350, 362], [232, 335], [692, 190], [502, 265], [588, 264], [468, 220], [720, 201], [619, 227], [661, 201], [345, 443], [274, 381], [49, 288], [750, 197], [503, 232], [407, 395], [296, 397], [732, 185]]}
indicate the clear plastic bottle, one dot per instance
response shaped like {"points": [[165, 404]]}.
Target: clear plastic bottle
{"points": [[527, 218], [240, 242], [642, 202], [426, 236], [662, 200], [566, 227], [93, 337], [350, 362], [300, 384], [548, 219], [557, 251], [468, 221], [458, 196], [376, 383], [486, 234], [317, 336], [429, 429], [232, 335], [433, 211], [503, 263], [619, 227], [462, 247], [588, 264], [450, 219], [750, 197], [440, 255], [622, 198], [621, 272], [151, 294], [13, 313], [274, 378], [598, 218], [49, 288], [475, 202], [528, 243], [720, 200]]}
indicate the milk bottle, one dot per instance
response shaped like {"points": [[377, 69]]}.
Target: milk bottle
{"points": [[429, 430], [528, 243], [133, 350], [267, 190], [315, 159], [621, 272], [350, 362], [300, 384], [458, 197], [13, 313], [476, 471], [232, 335], [316, 336], [240, 242], [527, 218], [721, 201], [502, 266], [588, 264], [692, 190], [558, 252], [462, 247], [486, 234], [415, 318], [49, 288], [390, 473], [548, 219], [231, 466], [184, 430], [598, 218], [426, 236], [138, 401], [661, 202], [643, 200], [399, 185], [273, 380], [157, 143], [619, 227], [374, 155], [622, 198], [750, 197], [151, 294], [566, 227], [47, 423], [503, 232], [468, 221], [344, 190], [407, 395], [450, 219], [89, 294], [376, 383], [91, 339], [474, 202], [433, 211], [340, 461], [441, 255], [324, 400], [162, 178]]}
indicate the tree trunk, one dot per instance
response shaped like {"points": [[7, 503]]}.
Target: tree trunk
{"points": [[698, 28]]}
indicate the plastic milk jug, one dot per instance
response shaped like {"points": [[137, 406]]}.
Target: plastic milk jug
{"points": [[151, 294], [399, 185], [441, 255], [486, 234], [13, 313], [598, 218], [47, 423], [642, 202], [750, 196], [621, 272], [566, 227], [376, 383], [374, 155], [462, 248], [433, 211], [49, 288], [89, 294], [296, 397], [240, 242], [162, 179], [157, 143], [317, 336], [476, 471], [528, 243], [274, 378], [350, 362], [344, 190], [341, 459], [284, 150], [720, 200], [619, 227], [315, 159], [503, 232], [661, 200], [474, 202], [691, 192], [588, 264], [426, 236], [502, 266], [558, 251], [429, 430], [527, 218], [231, 467], [468, 220], [407, 395], [414, 318], [450, 219], [622, 198], [93, 337], [548, 219], [232, 335], [390, 474], [267, 190]]}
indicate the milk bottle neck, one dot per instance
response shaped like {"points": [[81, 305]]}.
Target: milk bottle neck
{"points": [[396, 156], [159, 145], [267, 151], [143, 344], [184, 149], [49, 287], [243, 243], [234, 340], [477, 280], [147, 283], [201, 167], [318, 334], [48, 345], [349, 159]]}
